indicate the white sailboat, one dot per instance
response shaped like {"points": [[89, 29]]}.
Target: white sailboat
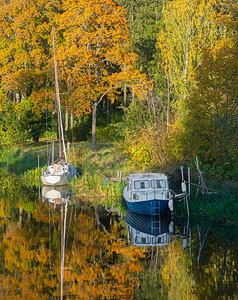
{"points": [[60, 173]]}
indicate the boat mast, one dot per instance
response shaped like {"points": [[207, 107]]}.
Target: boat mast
{"points": [[53, 150], [60, 125]]}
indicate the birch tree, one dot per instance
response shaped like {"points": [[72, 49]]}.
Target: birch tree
{"points": [[188, 30]]}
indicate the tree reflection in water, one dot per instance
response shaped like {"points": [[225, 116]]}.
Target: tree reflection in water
{"points": [[99, 261], [193, 262]]}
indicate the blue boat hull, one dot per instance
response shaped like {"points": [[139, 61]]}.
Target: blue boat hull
{"points": [[148, 207]]}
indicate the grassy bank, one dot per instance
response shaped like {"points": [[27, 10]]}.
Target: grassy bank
{"points": [[222, 207], [24, 161], [105, 162]]}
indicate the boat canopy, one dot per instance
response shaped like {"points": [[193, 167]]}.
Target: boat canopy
{"points": [[147, 181]]}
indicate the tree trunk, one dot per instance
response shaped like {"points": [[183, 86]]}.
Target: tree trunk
{"points": [[108, 111], [66, 120], [125, 102], [133, 96], [82, 125], [72, 120], [94, 123], [168, 101], [20, 217]]}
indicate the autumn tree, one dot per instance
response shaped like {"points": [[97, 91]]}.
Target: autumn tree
{"points": [[190, 29], [24, 52], [26, 26], [95, 54]]}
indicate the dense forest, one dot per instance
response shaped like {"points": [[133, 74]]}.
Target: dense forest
{"points": [[159, 77]]}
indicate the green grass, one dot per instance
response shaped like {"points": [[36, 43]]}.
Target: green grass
{"points": [[26, 161], [107, 159], [105, 162], [96, 165], [22, 158], [222, 207]]}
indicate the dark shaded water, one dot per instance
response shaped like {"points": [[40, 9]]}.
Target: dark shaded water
{"points": [[54, 246]]}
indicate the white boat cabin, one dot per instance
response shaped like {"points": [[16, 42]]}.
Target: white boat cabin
{"points": [[147, 186], [58, 169]]}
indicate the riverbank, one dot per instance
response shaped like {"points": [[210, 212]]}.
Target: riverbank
{"points": [[94, 166], [108, 159]]}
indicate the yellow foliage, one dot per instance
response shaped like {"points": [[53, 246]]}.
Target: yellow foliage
{"points": [[189, 28], [147, 146], [176, 273]]}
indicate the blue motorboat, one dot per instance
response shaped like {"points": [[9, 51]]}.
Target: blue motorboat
{"points": [[148, 193]]}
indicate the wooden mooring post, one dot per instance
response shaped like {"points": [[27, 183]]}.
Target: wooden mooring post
{"points": [[201, 182], [118, 178]]}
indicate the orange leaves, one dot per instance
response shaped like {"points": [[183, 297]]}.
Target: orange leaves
{"points": [[20, 80], [93, 47], [95, 50], [21, 32], [23, 46]]}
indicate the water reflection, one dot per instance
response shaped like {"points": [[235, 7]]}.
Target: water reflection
{"points": [[59, 196], [56, 195], [160, 230], [185, 258], [40, 239], [145, 230], [95, 260]]}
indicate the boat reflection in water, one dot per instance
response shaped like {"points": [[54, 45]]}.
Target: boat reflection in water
{"points": [[160, 230], [57, 195], [145, 230], [60, 196]]}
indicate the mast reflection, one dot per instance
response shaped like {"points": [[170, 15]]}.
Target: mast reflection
{"points": [[60, 197]]}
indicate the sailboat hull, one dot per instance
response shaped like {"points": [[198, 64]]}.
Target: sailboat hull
{"points": [[58, 178]]}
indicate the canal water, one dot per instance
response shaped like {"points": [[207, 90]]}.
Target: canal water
{"points": [[53, 245]]}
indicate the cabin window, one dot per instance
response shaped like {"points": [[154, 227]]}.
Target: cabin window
{"points": [[145, 184], [158, 184]]}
